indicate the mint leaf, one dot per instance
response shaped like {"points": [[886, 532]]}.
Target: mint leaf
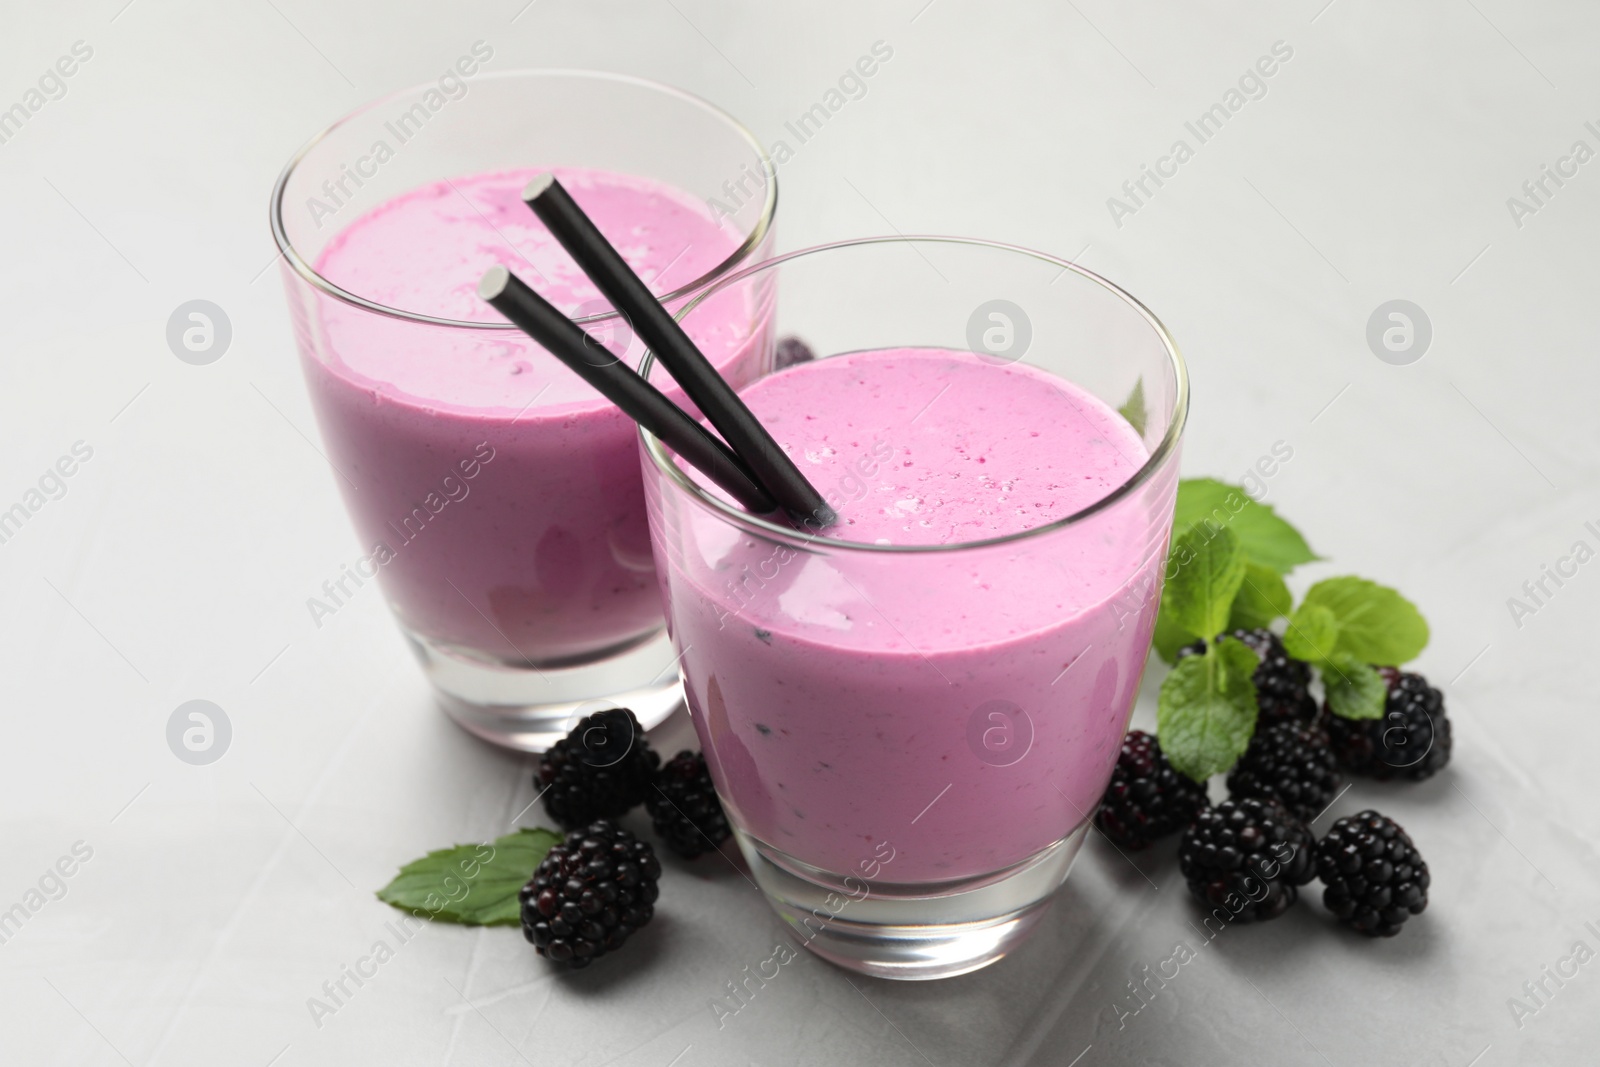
{"points": [[1204, 571], [472, 884], [1207, 709], [1205, 568], [1262, 598], [1376, 624], [1313, 633], [1345, 625], [1133, 410], [1267, 539], [1170, 634], [1355, 690]]}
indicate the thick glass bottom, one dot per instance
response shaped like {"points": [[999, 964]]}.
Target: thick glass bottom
{"points": [[530, 708], [911, 930]]}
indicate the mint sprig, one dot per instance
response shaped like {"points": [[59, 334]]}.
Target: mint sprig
{"points": [[1343, 626], [1204, 571], [471, 884], [1313, 634], [1263, 598], [1267, 539], [1271, 547], [1375, 623], [1354, 689], [1207, 709], [1169, 635], [1225, 571]]}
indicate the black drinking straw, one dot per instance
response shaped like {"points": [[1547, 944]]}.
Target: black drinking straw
{"points": [[621, 385], [611, 274]]}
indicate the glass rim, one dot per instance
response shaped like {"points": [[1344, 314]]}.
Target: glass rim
{"points": [[316, 279], [754, 524]]}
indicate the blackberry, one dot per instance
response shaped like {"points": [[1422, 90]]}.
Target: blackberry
{"points": [[1374, 877], [1292, 763], [600, 770], [1282, 692], [589, 894], [792, 350], [684, 808], [1412, 740], [1246, 857], [1147, 798]]}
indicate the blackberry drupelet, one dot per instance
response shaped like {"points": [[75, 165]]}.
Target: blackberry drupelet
{"points": [[600, 770], [1147, 798], [1246, 858], [1281, 681], [1292, 763], [684, 808], [791, 350], [1412, 740], [589, 894], [1374, 877]]}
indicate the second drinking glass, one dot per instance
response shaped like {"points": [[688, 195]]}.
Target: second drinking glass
{"points": [[497, 497]]}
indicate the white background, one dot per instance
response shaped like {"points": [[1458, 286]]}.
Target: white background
{"points": [[177, 566]]}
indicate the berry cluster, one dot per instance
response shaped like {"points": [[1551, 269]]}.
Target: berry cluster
{"points": [[600, 770], [790, 351], [589, 893], [684, 808], [1412, 740], [1250, 854], [1290, 763], [1375, 877], [605, 767], [599, 885], [1147, 799]]}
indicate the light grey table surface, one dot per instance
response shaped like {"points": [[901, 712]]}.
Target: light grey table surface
{"points": [[1376, 166]]}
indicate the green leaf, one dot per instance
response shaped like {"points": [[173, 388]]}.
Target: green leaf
{"points": [[1267, 539], [1204, 571], [1207, 709], [1262, 598], [472, 884], [1376, 624], [1313, 633], [1355, 690], [1134, 410], [1170, 634]]}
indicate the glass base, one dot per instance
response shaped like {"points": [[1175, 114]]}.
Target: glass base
{"points": [[911, 931], [529, 709]]}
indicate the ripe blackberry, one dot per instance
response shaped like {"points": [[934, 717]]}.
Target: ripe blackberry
{"points": [[1147, 798], [600, 770], [791, 350], [1292, 763], [1412, 740], [1247, 857], [684, 808], [1281, 681], [1375, 877], [589, 893]]}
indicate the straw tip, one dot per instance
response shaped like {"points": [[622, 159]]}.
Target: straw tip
{"points": [[537, 185], [493, 282]]}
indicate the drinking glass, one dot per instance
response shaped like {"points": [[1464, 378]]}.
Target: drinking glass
{"points": [[910, 739], [510, 539]]}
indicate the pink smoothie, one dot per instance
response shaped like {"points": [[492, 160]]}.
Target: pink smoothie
{"points": [[499, 496], [848, 699]]}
